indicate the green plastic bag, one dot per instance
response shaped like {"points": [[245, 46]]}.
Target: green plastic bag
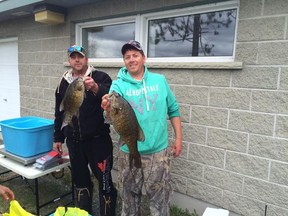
{"points": [[16, 209], [70, 211]]}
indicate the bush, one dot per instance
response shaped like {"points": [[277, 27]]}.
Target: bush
{"points": [[175, 211]]}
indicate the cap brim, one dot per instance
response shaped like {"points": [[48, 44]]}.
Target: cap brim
{"points": [[129, 46], [81, 53]]}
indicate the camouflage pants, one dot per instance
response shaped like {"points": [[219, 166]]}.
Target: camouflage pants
{"points": [[154, 175]]}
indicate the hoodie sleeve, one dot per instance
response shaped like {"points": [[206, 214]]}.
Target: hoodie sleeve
{"points": [[104, 82], [173, 107]]}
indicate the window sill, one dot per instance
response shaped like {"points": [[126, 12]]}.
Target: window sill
{"points": [[178, 65]]}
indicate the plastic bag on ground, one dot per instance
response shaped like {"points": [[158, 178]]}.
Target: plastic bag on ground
{"points": [[70, 211], [16, 209]]}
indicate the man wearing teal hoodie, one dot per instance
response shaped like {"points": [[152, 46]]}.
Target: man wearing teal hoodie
{"points": [[152, 101]]}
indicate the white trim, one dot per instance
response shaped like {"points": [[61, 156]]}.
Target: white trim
{"points": [[192, 59], [107, 22], [79, 26], [4, 40], [193, 10], [139, 26]]}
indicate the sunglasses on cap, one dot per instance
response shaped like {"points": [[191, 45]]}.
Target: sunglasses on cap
{"points": [[75, 48], [78, 49]]}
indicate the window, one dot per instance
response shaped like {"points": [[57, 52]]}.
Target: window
{"points": [[102, 40], [202, 33], [206, 34]]}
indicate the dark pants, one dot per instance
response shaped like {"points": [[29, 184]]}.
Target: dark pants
{"points": [[98, 153]]}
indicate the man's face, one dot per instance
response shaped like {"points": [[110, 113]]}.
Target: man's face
{"points": [[134, 61], [77, 61]]}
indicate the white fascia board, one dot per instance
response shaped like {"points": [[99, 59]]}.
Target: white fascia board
{"points": [[13, 4]]}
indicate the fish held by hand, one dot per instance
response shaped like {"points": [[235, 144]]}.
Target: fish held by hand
{"points": [[126, 125], [72, 101]]}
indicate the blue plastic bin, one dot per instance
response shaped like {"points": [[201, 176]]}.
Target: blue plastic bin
{"points": [[27, 136]]}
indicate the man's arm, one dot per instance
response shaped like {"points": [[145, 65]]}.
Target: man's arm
{"points": [[177, 145]]}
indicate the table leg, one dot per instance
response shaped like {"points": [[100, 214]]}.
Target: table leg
{"points": [[72, 186], [37, 196]]}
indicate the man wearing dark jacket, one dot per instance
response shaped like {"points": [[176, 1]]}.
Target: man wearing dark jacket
{"points": [[88, 138]]}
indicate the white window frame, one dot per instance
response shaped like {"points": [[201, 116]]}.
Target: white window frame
{"points": [[141, 30], [79, 27]]}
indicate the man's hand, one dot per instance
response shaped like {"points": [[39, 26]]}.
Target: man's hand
{"points": [[106, 103], [58, 147], [177, 148], [90, 84], [6, 193], [106, 107]]}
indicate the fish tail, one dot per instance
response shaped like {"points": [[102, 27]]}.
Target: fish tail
{"points": [[135, 159], [137, 162]]}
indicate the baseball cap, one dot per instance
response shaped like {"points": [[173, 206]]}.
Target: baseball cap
{"points": [[132, 44], [77, 49]]}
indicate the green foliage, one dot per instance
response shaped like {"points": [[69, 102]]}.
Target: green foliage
{"points": [[176, 211]]}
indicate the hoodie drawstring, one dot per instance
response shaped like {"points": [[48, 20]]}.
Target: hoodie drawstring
{"points": [[145, 94]]}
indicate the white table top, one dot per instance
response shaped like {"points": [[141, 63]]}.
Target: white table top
{"points": [[29, 171]]}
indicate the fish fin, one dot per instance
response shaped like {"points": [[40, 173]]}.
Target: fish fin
{"points": [[141, 136], [135, 159], [61, 107], [71, 124], [107, 121], [121, 142], [64, 124], [77, 114]]}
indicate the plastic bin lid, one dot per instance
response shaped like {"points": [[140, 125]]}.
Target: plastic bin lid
{"points": [[27, 122]]}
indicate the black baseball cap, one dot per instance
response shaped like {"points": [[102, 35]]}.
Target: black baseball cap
{"points": [[132, 44]]}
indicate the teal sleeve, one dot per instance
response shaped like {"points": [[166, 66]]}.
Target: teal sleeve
{"points": [[173, 106]]}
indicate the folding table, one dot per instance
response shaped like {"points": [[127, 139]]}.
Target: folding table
{"points": [[30, 172]]}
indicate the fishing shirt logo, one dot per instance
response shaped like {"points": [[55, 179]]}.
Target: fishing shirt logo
{"points": [[151, 98], [141, 91]]}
